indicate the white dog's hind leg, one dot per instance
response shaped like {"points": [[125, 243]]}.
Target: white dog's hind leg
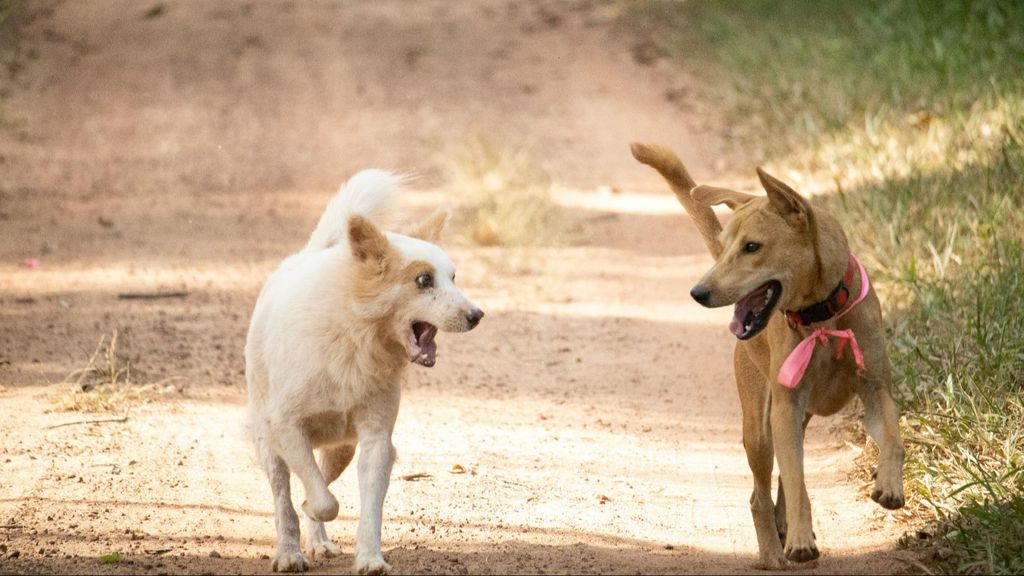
{"points": [[375, 460], [333, 462], [297, 451], [289, 557]]}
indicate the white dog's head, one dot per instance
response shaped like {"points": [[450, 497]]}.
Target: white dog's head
{"points": [[410, 282]]}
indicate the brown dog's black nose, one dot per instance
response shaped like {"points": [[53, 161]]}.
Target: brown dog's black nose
{"points": [[474, 316], [701, 294]]}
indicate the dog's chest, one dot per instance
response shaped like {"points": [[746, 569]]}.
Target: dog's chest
{"points": [[834, 380], [329, 427]]}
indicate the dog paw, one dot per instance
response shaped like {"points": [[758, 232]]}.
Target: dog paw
{"points": [[324, 549], [324, 509], [888, 499], [372, 565], [772, 562], [803, 553], [290, 562]]}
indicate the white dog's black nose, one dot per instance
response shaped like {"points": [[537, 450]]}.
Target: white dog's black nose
{"points": [[473, 317], [701, 294]]}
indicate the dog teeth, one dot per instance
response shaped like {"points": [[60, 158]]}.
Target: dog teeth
{"points": [[423, 357], [768, 295]]}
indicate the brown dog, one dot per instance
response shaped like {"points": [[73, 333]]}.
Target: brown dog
{"points": [[777, 253]]}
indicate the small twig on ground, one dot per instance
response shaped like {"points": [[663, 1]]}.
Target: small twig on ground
{"points": [[10, 526], [413, 477], [122, 418], [151, 295]]}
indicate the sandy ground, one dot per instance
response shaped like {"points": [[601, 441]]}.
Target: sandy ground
{"points": [[189, 146]]}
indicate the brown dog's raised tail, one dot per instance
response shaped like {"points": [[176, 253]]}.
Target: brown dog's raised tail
{"points": [[671, 168]]}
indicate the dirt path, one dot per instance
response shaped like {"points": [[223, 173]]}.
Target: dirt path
{"points": [[190, 146]]}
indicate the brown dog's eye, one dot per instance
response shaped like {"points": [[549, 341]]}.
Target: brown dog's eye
{"points": [[751, 247], [424, 281]]}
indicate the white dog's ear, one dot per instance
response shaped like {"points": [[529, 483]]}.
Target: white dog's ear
{"points": [[713, 195], [366, 241], [430, 229]]}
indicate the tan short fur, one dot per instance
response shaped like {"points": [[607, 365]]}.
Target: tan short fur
{"points": [[806, 251]]}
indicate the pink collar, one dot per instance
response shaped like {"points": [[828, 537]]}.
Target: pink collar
{"points": [[793, 368]]}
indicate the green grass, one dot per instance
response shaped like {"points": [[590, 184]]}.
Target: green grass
{"points": [[906, 119]]}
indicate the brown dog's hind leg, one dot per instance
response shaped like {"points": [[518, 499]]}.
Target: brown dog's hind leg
{"points": [[754, 400], [333, 462]]}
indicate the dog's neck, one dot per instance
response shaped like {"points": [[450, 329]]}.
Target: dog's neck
{"points": [[833, 262], [829, 307], [832, 252]]}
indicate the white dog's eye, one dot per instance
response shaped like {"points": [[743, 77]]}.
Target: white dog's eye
{"points": [[424, 281], [751, 247]]}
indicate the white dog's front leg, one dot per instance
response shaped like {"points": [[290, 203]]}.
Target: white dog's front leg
{"points": [[296, 450], [376, 455]]}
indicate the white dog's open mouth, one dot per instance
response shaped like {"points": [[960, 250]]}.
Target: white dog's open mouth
{"points": [[754, 310], [422, 348]]}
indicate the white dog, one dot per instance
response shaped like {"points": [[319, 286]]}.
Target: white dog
{"points": [[331, 335]]}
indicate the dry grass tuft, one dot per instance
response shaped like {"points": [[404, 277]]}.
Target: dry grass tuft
{"points": [[105, 383], [508, 196]]}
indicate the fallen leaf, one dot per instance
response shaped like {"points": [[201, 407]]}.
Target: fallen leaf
{"points": [[457, 469], [921, 119]]}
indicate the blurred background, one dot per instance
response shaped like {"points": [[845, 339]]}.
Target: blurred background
{"points": [[158, 159]]}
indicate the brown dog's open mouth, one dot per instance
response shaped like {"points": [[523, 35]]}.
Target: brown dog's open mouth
{"points": [[422, 348], [755, 309]]}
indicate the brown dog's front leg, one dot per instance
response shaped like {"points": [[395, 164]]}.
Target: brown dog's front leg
{"points": [[757, 441], [788, 438], [881, 420], [780, 500], [759, 456]]}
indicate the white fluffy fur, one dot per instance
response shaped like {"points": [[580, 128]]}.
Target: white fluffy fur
{"points": [[370, 193], [319, 378]]}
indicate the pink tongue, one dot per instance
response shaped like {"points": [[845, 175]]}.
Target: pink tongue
{"points": [[427, 346], [430, 348], [736, 325], [743, 307]]}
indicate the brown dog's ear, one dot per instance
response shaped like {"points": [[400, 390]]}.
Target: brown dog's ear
{"points": [[786, 201], [366, 241], [430, 229], [712, 195]]}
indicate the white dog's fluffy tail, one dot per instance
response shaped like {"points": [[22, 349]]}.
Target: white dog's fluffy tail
{"points": [[370, 193]]}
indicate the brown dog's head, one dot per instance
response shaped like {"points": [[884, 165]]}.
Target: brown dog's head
{"points": [[769, 254]]}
